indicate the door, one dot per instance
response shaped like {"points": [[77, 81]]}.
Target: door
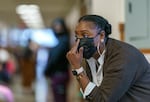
{"points": [[137, 30]]}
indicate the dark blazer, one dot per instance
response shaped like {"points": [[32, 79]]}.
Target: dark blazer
{"points": [[126, 75]]}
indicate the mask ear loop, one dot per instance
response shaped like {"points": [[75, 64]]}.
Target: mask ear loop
{"points": [[98, 49], [99, 46]]}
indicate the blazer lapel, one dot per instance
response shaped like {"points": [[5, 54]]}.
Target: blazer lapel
{"points": [[87, 69], [109, 48]]}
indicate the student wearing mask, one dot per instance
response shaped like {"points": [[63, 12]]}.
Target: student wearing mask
{"points": [[57, 67]]}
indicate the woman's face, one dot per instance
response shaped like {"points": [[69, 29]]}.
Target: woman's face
{"points": [[90, 38], [87, 32], [86, 29]]}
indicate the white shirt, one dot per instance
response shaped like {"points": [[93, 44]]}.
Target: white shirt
{"points": [[97, 76]]}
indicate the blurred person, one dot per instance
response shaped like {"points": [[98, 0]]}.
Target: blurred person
{"points": [[107, 70], [57, 66], [8, 64], [27, 65], [6, 72], [41, 85], [6, 94], [45, 39], [5, 76]]}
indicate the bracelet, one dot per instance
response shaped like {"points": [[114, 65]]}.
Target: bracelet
{"points": [[79, 76]]}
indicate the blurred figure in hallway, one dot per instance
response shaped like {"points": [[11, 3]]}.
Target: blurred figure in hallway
{"points": [[8, 66], [41, 86], [6, 72], [45, 39], [27, 64], [57, 67]]}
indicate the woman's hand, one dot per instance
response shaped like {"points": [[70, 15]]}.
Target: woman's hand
{"points": [[74, 56]]}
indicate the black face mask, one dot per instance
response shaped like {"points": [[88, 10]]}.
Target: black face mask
{"points": [[88, 47]]}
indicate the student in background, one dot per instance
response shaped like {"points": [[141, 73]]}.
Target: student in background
{"points": [[57, 66], [27, 64], [6, 94]]}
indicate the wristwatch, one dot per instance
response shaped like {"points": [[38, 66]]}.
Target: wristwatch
{"points": [[76, 72]]}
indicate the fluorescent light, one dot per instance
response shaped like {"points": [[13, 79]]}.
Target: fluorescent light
{"points": [[31, 15]]}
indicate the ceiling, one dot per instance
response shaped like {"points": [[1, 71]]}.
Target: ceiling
{"points": [[50, 9]]}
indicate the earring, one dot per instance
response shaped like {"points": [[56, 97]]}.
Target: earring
{"points": [[102, 46], [102, 40]]}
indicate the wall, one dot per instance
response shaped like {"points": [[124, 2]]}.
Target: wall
{"points": [[72, 19], [113, 10]]}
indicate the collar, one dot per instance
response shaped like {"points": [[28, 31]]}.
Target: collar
{"points": [[101, 58]]}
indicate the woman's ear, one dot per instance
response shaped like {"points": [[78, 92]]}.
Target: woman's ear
{"points": [[102, 36]]}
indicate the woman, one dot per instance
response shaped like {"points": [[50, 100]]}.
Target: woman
{"points": [[57, 67], [107, 70]]}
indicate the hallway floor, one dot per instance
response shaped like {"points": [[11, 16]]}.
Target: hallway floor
{"points": [[21, 96]]}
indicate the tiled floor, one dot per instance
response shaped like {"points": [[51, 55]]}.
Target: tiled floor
{"points": [[19, 94], [22, 96]]}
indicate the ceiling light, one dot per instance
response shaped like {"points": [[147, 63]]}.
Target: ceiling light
{"points": [[30, 14]]}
